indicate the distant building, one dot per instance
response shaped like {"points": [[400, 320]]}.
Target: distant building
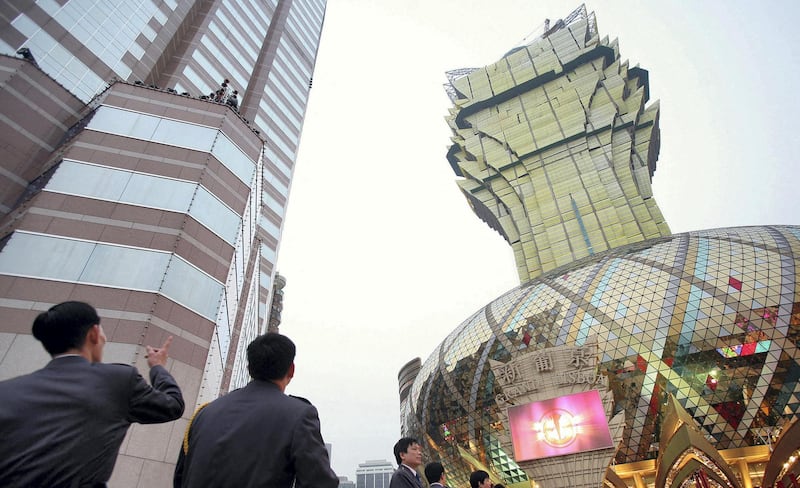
{"points": [[345, 483], [374, 474]]}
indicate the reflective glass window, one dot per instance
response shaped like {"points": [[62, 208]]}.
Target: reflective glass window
{"points": [[246, 43], [215, 215], [276, 160], [272, 203], [41, 256], [176, 133], [198, 82], [269, 254], [182, 134], [271, 228], [118, 185], [116, 121], [209, 68], [276, 183], [89, 180], [234, 159], [236, 73], [158, 192], [54, 60], [125, 267], [191, 287], [294, 115], [265, 280], [147, 190], [283, 146]]}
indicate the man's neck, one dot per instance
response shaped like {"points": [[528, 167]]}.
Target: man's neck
{"points": [[74, 352]]}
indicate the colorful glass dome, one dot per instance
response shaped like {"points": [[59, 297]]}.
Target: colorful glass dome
{"points": [[712, 317]]}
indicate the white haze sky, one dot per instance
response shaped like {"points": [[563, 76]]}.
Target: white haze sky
{"points": [[382, 255]]}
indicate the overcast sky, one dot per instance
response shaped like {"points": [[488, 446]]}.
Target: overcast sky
{"points": [[382, 255]]}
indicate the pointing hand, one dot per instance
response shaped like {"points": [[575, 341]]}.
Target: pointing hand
{"points": [[158, 355]]}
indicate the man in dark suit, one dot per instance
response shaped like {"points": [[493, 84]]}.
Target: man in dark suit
{"points": [[62, 426], [257, 436], [408, 454], [434, 473]]}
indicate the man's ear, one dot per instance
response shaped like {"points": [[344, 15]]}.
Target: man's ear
{"points": [[93, 336], [290, 373]]}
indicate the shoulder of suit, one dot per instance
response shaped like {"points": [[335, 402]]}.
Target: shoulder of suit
{"points": [[123, 369], [304, 400], [118, 367]]}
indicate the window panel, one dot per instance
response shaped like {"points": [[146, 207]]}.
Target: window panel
{"points": [[182, 134], [44, 257], [269, 254], [270, 227], [153, 191], [272, 203], [234, 159], [215, 215], [191, 287], [125, 267], [88, 180], [175, 133], [49, 257]]}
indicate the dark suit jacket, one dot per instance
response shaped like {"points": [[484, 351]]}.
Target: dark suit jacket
{"points": [[63, 425], [255, 437], [403, 477]]}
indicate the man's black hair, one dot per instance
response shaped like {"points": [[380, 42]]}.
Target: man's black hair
{"points": [[402, 446], [477, 477], [269, 356], [64, 326], [434, 471]]}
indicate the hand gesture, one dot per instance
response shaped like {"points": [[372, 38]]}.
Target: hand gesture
{"points": [[158, 355]]}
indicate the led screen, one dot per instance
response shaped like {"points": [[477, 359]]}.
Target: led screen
{"points": [[565, 425]]}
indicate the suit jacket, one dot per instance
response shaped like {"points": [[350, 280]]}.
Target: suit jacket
{"points": [[403, 477], [63, 425], [255, 436]]}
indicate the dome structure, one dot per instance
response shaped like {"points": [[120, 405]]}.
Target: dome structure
{"points": [[711, 317]]}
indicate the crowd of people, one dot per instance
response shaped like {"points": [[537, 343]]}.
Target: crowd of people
{"points": [[408, 454], [63, 425]]}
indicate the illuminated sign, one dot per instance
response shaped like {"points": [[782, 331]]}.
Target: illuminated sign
{"points": [[559, 426]]}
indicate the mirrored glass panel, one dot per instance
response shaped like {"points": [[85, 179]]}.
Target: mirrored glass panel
{"points": [[125, 267], [43, 256], [215, 215], [234, 159], [191, 287]]}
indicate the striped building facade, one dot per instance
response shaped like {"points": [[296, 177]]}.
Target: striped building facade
{"points": [[124, 184]]}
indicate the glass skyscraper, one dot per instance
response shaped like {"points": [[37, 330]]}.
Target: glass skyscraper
{"points": [[132, 179], [555, 145]]}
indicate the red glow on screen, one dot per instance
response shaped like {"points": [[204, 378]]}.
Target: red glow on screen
{"points": [[559, 426]]}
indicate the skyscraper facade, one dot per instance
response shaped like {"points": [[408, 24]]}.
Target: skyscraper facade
{"points": [[555, 146], [148, 151]]}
